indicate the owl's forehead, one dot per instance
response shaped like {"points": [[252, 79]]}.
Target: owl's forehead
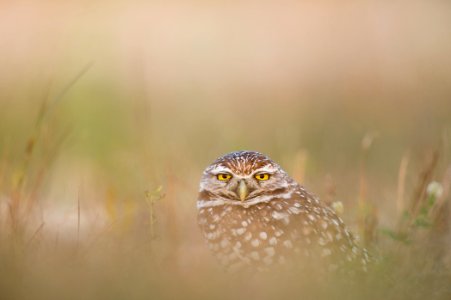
{"points": [[243, 163]]}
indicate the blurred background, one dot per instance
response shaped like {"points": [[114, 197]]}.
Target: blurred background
{"points": [[110, 111]]}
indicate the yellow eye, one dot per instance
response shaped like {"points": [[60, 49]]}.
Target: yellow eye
{"points": [[262, 176], [223, 177]]}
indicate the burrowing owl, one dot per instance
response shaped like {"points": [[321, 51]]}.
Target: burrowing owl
{"points": [[253, 214]]}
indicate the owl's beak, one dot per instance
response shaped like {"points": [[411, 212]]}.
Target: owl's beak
{"points": [[243, 190]]}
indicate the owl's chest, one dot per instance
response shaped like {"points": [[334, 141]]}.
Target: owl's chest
{"points": [[238, 221], [254, 235]]}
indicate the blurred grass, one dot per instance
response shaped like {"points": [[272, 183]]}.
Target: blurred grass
{"points": [[104, 205]]}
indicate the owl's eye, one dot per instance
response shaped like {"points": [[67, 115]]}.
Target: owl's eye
{"points": [[224, 177], [262, 176]]}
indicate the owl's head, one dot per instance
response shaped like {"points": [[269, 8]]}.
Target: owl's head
{"points": [[243, 176]]}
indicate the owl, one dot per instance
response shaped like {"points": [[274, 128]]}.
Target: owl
{"points": [[254, 215]]}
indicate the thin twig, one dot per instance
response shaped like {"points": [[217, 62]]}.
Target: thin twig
{"points": [[402, 184], [66, 89], [425, 178], [78, 219], [45, 110], [36, 233]]}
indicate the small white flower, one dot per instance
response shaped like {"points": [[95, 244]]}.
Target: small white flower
{"points": [[434, 189]]}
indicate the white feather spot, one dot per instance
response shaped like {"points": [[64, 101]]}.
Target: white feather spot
{"points": [[326, 252], [240, 231], [288, 244], [272, 241], [255, 243], [212, 235], [294, 210], [278, 215], [329, 236]]}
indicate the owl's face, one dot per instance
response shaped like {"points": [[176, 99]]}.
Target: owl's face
{"points": [[243, 176]]}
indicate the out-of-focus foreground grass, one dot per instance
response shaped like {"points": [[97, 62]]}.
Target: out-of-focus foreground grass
{"points": [[99, 172]]}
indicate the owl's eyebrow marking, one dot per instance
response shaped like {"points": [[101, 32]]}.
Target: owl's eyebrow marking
{"points": [[265, 169], [220, 169]]}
